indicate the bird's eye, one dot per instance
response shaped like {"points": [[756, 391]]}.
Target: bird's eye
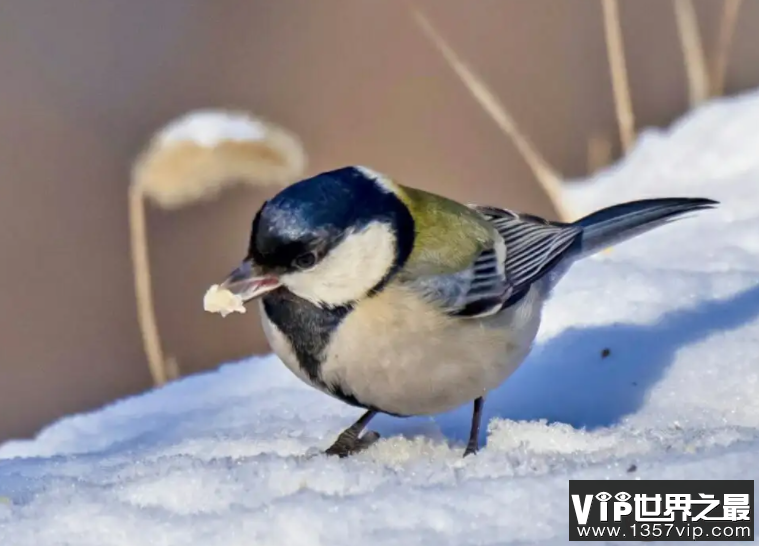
{"points": [[305, 261]]}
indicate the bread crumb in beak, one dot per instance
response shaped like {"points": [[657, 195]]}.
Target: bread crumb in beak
{"points": [[222, 301]]}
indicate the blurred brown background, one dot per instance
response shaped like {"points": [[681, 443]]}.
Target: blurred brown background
{"points": [[86, 82]]}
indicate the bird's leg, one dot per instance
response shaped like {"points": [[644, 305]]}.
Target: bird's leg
{"points": [[349, 443], [474, 433]]}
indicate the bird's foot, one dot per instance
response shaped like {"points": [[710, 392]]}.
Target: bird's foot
{"points": [[348, 443], [471, 449]]}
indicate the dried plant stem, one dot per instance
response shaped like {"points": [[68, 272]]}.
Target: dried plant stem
{"points": [[730, 9], [620, 85], [546, 176], [693, 51], [599, 152], [142, 286]]}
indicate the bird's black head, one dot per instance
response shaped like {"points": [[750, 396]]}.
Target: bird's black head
{"points": [[333, 238]]}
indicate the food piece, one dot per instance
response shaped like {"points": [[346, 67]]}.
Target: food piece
{"points": [[222, 301]]}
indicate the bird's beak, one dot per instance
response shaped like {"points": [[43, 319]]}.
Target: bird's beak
{"points": [[249, 283]]}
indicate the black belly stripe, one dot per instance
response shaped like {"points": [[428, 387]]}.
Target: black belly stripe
{"points": [[308, 328]]}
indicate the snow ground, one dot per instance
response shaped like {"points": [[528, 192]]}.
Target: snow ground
{"points": [[216, 459]]}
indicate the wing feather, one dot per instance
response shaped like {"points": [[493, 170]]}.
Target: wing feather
{"points": [[490, 271], [474, 291], [533, 244]]}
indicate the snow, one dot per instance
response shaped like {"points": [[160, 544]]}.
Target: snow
{"points": [[208, 128], [221, 458]]}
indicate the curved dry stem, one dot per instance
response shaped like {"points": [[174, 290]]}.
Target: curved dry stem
{"points": [[620, 84], [730, 9], [546, 176], [693, 52], [142, 286]]}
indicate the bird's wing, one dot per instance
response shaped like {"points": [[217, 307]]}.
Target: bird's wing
{"points": [[458, 257], [476, 290], [527, 248], [533, 245]]}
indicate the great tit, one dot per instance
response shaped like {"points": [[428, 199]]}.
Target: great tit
{"points": [[403, 302]]}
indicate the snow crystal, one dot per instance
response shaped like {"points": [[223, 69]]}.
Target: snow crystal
{"points": [[645, 368], [210, 127]]}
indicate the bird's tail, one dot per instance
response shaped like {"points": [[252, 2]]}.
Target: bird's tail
{"points": [[613, 225]]}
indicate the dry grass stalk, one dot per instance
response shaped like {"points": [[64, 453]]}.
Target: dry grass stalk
{"points": [[546, 176], [618, 68], [730, 9], [142, 286], [693, 52], [599, 152], [192, 159]]}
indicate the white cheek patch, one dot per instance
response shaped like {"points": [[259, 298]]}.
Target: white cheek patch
{"points": [[350, 270]]}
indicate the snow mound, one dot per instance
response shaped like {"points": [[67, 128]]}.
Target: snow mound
{"points": [[645, 368]]}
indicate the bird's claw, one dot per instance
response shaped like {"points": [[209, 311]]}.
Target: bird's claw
{"points": [[348, 444]]}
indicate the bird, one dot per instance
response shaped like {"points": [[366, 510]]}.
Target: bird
{"points": [[404, 302]]}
